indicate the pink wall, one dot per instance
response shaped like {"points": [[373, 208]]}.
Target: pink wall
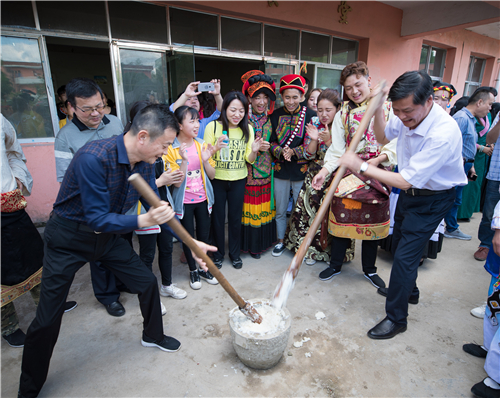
{"points": [[42, 166], [377, 27]]}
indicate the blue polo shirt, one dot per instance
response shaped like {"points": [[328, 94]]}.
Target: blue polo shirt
{"points": [[96, 192], [467, 124]]}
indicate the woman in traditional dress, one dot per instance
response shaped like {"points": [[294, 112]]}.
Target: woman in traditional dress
{"points": [[360, 207], [258, 224], [310, 199]]}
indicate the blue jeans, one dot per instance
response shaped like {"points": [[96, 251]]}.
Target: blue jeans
{"points": [[451, 218], [492, 196]]}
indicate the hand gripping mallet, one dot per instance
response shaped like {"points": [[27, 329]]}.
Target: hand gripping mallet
{"points": [[286, 282], [147, 193]]}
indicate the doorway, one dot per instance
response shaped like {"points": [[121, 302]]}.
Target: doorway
{"points": [[70, 58]]}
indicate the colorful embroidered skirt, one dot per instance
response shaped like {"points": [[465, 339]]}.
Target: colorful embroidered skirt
{"points": [[303, 215], [22, 255], [360, 208], [258, 224]]}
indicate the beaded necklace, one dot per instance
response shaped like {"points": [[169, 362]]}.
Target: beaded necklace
{"points": [[297, 127]]}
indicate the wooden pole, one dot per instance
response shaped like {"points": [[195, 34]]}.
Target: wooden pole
{"points": [[154, 201]]}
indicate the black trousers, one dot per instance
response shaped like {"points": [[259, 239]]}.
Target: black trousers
{"points": [[415, 220], [232, 192], [147, 251], [368, 253], [68, 246], [198, 211], [104, 283]]}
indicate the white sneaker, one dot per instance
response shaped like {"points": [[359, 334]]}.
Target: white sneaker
{"points": [[310, 261], [194, 280], [478, 312], [172, 291], [163, 309]]}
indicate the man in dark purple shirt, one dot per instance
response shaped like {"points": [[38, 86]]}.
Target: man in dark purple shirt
{"points": [[88, 216]]}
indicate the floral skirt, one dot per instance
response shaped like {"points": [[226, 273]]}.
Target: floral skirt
{"points": [[360, 208], [303, 215], [258, 224]]}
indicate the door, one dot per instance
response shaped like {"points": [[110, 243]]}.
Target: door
{"points": [[277, 69], [145, 73]]}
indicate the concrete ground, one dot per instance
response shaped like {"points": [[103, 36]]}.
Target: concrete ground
{"points": [[101, 356]]}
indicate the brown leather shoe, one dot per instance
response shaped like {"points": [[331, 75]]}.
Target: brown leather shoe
{"points": [[481, 253]]}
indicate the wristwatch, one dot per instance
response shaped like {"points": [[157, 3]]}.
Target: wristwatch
{"points": [[363, 168]]}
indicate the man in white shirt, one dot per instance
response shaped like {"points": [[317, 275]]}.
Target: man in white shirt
{"points": [[430, 166]]}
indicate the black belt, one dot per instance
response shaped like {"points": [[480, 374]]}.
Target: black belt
{"points": [[72, 224], [424, 192]]}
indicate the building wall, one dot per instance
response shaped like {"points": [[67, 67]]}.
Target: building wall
{"points": [[377, 27]]}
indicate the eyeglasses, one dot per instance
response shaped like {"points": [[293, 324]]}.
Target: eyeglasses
{"points": [[97, 108]]}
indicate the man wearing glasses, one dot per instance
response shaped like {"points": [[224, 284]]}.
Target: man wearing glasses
{"points": [[89, 123]]}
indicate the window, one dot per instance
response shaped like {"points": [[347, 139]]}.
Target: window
{"points": [[138, 21], [314, 47], [240, 36], [23, 92], [474, 75], [281, 42], [18, 14], [87, 17], [194, 27], [344, 52], [329, 78], [432, 61]]}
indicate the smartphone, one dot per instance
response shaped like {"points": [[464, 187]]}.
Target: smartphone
{"points": [[206, 87], [471, 177]]}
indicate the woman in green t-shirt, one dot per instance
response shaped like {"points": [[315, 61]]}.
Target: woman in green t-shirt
{"points": [[230, 175]]}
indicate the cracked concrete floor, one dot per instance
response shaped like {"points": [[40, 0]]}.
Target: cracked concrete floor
{"points": [[101, 356]]}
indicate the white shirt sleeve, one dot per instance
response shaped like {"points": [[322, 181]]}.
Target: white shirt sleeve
{"points": [[338, 146]]}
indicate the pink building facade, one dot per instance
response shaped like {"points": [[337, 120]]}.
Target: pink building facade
{"points": [[391, 37]]}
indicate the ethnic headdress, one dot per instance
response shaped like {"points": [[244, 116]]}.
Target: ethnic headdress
{"points": [[256, 82], [292, 81], [438, 86]]}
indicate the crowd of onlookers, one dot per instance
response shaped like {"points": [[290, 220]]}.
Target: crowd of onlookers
{"points": [[264, 172]]}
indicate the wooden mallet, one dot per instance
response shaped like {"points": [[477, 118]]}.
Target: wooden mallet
{"points": [[286, 283], [154, 201]]}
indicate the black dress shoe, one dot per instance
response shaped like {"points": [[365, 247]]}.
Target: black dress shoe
{"points": [[386, 329], [475, 349], [70, 305], [482, 390], [115, 309], [384, 290], [255, 255]]}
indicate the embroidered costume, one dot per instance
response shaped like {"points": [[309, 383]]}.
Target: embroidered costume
{"points": [[258, 224]]}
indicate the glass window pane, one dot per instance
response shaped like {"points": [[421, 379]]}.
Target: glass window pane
{"points": [[281, 42], [276, 71], [423, 58], [344, 52], [328, 78], [188, 27], [144, 75], [18, 14], [240, 36], [75, 16], [138, 21], [24, 96], [477, 69], [314, 47], [437, 61]]}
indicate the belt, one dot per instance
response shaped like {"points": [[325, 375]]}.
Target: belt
{"points": [[468, 160], [73, 224], [425, 192]]}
